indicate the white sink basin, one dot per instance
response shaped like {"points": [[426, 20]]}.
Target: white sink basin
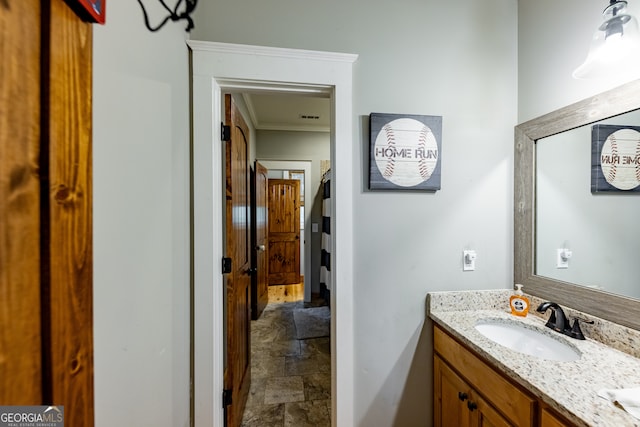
{"points": [[527, 340]]}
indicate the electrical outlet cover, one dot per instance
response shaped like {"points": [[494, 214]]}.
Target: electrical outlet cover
{"points": [[561, 262], [468, 260]]}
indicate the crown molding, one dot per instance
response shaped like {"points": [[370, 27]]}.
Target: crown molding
{"points": [[218, 47]]}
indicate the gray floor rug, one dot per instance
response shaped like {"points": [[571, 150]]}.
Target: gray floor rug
{"points": [[312, 322]]}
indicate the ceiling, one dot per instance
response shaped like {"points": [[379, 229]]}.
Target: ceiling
{"points": [[288, 111]]}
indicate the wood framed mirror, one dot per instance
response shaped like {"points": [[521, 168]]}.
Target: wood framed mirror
{"points": [[607, 305]]}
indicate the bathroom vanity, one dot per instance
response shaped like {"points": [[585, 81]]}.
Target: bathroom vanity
{"points": [[475, 395], [459, 397], [478, 382]]}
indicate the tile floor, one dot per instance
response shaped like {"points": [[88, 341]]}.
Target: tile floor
{"points": [[290, 378]]}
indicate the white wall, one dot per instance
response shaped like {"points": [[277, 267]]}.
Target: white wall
{"points": [[410, 61], [141, 221], [553, 40]]}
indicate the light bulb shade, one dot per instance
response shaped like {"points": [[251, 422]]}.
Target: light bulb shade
{"points": [[615, 47]]}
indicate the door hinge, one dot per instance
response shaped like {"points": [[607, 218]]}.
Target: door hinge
{"points": [[226, 397], [225, 132], [226, 265]]}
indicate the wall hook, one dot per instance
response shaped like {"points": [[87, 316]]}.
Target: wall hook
{"points": [[174, 15]]}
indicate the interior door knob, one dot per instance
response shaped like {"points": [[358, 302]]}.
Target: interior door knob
{"points": [[261, 248], [462, 395]]}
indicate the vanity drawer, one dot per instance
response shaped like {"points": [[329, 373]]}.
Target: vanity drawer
{"points": [[510, 400]]}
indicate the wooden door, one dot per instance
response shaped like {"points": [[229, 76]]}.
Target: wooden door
{"points": [[238, 281], [260, 233], [284, 231]]}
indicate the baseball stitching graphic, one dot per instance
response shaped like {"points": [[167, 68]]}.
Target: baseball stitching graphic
{"points": [[620, 159], [391, 142], [406, 152]]}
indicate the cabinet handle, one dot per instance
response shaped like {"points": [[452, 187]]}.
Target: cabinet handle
{"points": [[472, 405], [462, 395]]}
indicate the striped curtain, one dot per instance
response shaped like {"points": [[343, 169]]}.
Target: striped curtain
{"points": [[325, 257]]}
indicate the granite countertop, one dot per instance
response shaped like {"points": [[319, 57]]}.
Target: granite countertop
{"points": [[568, 387]]}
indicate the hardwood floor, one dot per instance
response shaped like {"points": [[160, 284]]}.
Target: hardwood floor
{"points": [[290, 378], [286, 293]]}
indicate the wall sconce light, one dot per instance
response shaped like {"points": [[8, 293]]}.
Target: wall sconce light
{"points": [[615, 47], [174, 15]]}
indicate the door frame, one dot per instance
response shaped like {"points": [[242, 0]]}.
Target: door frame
{"points": [[216, 67], [304, 165]]}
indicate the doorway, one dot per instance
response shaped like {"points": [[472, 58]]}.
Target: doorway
{"points": [[220, 66]]}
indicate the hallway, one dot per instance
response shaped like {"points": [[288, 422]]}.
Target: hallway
{"points": [[290, 378]]}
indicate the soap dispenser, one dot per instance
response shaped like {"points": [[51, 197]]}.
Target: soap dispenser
{"points": [[518, 302]]}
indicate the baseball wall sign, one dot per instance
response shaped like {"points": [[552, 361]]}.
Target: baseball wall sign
{"points": [[405, 152], [615, 158]]}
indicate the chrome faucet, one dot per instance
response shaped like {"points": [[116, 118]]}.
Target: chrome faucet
{"points": [[558, 321]]}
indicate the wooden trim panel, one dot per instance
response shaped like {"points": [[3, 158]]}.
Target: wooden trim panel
{"points": [[20, 335], [46, 259], [69, 249]]}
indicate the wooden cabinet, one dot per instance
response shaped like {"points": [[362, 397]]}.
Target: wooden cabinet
{"points": [[487, 416], [451, 395], [458, 404], [549, 419], [469, 393]]}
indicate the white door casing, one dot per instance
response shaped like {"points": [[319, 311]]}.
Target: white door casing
{"points": [[222, 66]]}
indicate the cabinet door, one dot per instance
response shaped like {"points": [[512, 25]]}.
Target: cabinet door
{"points": [[457, 404], [486, 416], [451, 395], [547, 419], [512, 403]]}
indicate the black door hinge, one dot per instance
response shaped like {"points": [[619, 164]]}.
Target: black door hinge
{"points": [[226, 265], [225, 132], [226, 397]]}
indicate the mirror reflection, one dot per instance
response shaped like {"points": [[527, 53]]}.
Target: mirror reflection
{"points": [[586, 238]]}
